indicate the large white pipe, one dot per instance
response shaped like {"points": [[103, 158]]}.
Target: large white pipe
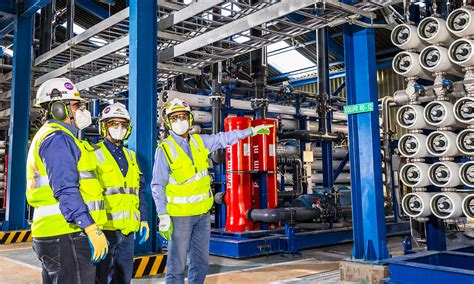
{"points": [[313, 126], [444, 174], [436, 59], [337, 153], [411, 117], [442, 144], [406, 37], [413, 146], [460, 23], [447, 205], [341, 178], [318, 165], [417, 204], [440, 114], [460, 52], [3, 144], [433, 30], [2, 152], [464, 110], [288, 150], [202, 116], [415, 175], [203, 101], [468, 206], [407, 64], [465, 142], [466, 173]]}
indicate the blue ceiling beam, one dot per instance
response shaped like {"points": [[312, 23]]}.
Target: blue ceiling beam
{"points": [[6, 6], [30, 7], [94, 8]]}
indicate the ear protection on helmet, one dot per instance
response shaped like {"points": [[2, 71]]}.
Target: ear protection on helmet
{"points": [[168, 123], [59, 110]]}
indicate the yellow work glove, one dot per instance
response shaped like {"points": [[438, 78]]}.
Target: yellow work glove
{"points": [[98, 243], [165, 226], [144, 232]]}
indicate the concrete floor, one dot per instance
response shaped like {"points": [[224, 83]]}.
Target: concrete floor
{"points": [[20, 265]]}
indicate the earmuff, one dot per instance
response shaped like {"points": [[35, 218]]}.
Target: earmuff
{"points": [[59, 110]]}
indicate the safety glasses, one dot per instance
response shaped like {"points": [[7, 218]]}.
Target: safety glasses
{"points": [[175, 117], [116, 124]]}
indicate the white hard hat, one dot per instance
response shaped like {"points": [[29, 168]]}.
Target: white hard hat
{"points": [[116, 110], [57, 89], [176, 105]]}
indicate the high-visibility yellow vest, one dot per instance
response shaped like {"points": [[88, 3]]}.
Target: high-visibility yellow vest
{"points": [[121, 193], [47, 218], [188, 191]]}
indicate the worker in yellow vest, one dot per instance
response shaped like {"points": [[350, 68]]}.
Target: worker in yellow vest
{"points": [[69, 208], [181, 188], [124, 193]]}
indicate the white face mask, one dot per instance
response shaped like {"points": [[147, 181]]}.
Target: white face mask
{"points": [[180, 127], [83, 119], [118, 133]]}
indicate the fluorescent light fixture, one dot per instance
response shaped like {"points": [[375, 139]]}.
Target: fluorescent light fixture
{"points": [[7, 51]]}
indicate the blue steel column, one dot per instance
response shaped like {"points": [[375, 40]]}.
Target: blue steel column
{"points": [[142, 98], [364, 138], [19, 124]]}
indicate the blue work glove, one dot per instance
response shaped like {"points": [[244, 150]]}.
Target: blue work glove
{"points": [[144, 232], [98, 243], [165, 226]]}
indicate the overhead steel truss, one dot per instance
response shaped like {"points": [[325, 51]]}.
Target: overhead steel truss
{"points": [[190, 37]]}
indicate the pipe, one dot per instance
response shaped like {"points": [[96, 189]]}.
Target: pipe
{"points": [[307, 135], [387, 146], [204, 101], [46, 27], [297, 177], [259, 72], [291, 214], [70, 19]]}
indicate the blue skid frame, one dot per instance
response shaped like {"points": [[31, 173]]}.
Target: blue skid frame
{"points": [[289, 240], [456, 266]]}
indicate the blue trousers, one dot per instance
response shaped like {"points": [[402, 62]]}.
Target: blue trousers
{"points": [[190, 238], [65, 259], [117, 267]]}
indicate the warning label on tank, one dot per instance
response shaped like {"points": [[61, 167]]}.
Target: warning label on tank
{"points": [[271, 150], [246, 149]]}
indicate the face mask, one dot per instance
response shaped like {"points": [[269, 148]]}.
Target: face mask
{"points": [[180, 127], [83, 119], [117, 133]]}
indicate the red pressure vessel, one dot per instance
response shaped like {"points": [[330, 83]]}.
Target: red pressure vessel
{"points": [[238, 156], [264, 147], [238, 197]]}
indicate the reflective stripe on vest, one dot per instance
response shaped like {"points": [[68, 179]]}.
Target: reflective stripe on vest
{"points": [[122, 215], [189, 199], [120, 190], [50, 210], [196, 177], [41, 181]]}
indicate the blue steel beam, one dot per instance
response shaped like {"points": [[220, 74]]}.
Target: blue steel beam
{"points": [[6, 6], [142, 99], [94, 8], [30, 7], [19, 125], [368, 217]]}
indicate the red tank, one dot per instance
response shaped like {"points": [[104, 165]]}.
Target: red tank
{"points": [[238, 156], [238, 199], [264, 147]]}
